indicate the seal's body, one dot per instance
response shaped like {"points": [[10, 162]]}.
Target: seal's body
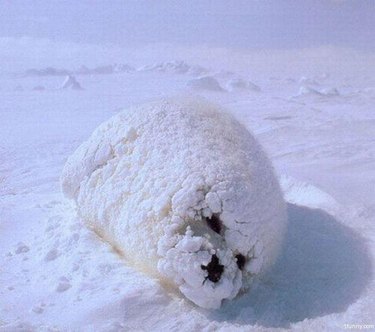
{"points": [[185, 192]]}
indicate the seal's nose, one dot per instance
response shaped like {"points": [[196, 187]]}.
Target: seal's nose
{"points": [[214, 269], [241, 260], [214, 223]]}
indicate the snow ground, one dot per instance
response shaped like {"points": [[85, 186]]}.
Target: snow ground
{"points": [[55, 275]]}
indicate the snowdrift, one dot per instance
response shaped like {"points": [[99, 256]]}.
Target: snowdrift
{"points": [[71, 82], [309, 91], [175, 67], [185, 193], [239, 83], [205, 83]]}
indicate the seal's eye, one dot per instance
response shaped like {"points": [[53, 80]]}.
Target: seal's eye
{"points": [[214, 223], [214, 269], [241, 260]]}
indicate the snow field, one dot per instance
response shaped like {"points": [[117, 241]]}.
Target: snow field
{"points": [[323, 277]]}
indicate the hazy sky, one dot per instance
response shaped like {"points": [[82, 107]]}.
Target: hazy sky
{"points": [[229, 23]]}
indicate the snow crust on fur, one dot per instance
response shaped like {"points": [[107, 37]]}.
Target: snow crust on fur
{"points": [[147, 180]]}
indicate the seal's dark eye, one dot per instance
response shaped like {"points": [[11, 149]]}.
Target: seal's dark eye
{"points": [[241, 260], [214, 223], [214, 269]]}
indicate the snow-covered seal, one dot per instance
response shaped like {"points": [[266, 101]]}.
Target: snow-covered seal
{"points": [[185, 193]]}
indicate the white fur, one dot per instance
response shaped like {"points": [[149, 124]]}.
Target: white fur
{"points": [[146, 179]]}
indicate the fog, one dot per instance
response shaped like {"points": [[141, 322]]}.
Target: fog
{"points": [[235, 24]]}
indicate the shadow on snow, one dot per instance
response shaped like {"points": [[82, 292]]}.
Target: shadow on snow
{"points": [[323, 268]]}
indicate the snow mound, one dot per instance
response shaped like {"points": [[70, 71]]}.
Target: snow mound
{"points": [[309, 91], [197, 70], [100, 70], [311, 87], [185, 193], [105, 70], [175, 67], [70, 82], [306, 90], [123, 68], [205, 83], [305, 194], [330, 92], [241, 84]]}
